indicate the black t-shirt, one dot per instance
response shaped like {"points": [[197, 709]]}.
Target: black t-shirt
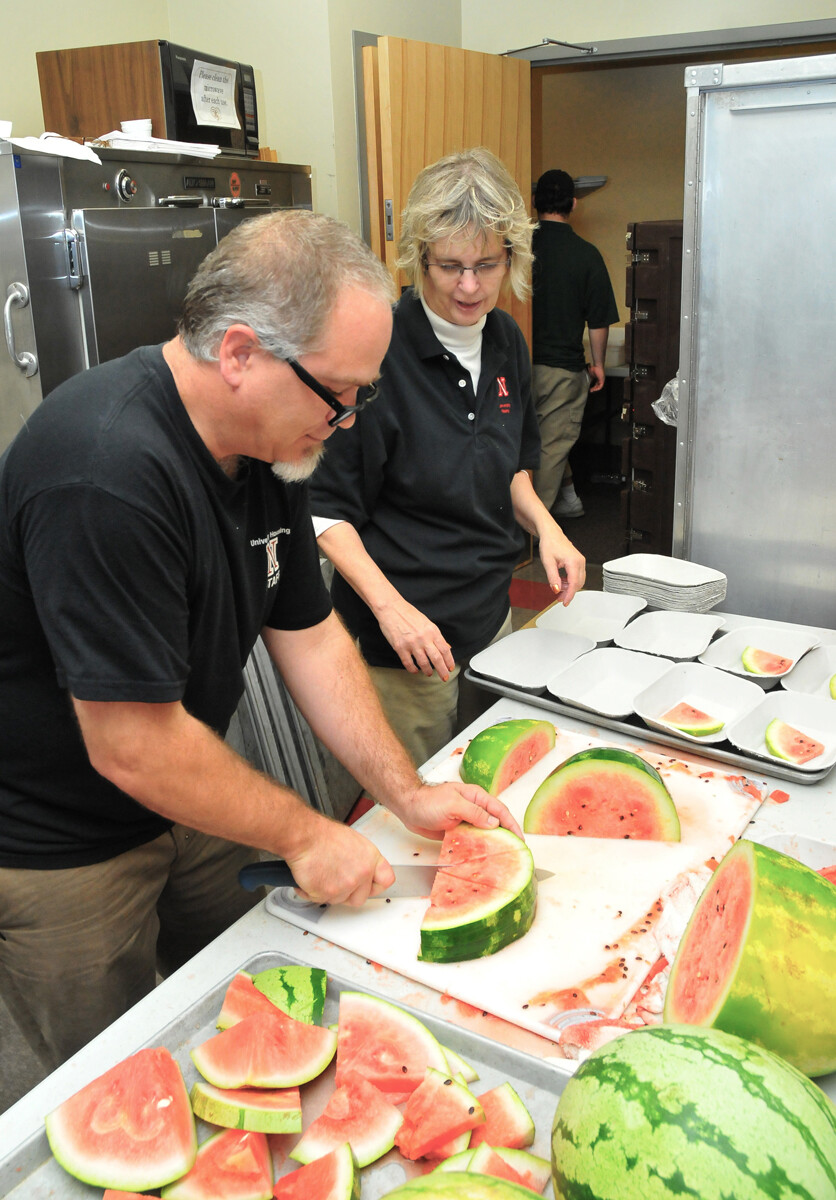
{"points": [[131, 569], [424, 477], [571, 290]]}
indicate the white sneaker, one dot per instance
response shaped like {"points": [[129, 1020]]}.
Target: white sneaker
{"points": [[568, 508]]}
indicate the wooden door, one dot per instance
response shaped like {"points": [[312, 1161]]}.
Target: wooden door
{"points": [[424, 101]]}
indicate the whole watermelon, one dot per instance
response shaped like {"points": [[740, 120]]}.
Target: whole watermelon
{"points": [[672, 1110]]}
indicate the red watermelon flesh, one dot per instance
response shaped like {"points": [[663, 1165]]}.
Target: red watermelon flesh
{"points": [[331, 1177], [131, 1128], [465, 844], [536, 746], [387, 1046], [692, 720], [456, 1145], [487, 1162], [357, 1113], [438, 1110], [829, 873], [234, 1164], [265, 1050], [507, 1120], [242, 999]]}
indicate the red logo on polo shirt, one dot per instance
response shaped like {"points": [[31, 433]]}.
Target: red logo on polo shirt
{"points": [[503, 391]]}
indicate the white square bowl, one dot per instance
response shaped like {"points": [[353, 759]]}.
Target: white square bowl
{"points": [[607, 680], [726, 651], [528, 658], [712, 691], [674, 635], [809, 714], [813, 674], [596, 615]]}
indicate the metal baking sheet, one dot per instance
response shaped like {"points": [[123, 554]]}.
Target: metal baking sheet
{"points": [[31, 1173], [634, 727]]}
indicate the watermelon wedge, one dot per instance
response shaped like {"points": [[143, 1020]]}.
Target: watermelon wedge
{"points": [[234, 1164], [692, 721], [439, 1109], [457, 1066], [297, 990], [457, 1162], [267, 1050], [481, 903], [500, 754], [387, 1046], [604, 792], [241, 999], [453, 1148], [131, 1129], [268, 1110], [791, 744], [762, 662], [332, 1177], [357, 1113], [531, 1170], [507, 1120], [758, 957]]}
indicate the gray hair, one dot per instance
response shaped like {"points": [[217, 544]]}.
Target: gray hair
{"points": [[471, 193], [281, 274]]}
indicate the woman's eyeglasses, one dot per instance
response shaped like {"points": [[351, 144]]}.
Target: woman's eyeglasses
{"points": [[456, 270], [342, 412]]}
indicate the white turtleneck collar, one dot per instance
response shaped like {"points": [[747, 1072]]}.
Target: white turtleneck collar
{"points": [[464, 341]]}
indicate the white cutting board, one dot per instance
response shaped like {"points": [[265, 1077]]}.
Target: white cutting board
{"points": [[596, 910]]}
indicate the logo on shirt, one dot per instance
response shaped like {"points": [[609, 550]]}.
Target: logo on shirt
{"points": [[502, 388], [273, 568]]}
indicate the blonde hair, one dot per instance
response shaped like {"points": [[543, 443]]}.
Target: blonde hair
{"points": [[471, 193]]}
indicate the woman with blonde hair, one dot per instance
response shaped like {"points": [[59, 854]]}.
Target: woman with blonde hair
{"points": [[420, 505]]}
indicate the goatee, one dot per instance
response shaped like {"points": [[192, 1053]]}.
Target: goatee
{"points": [[298, 472]]}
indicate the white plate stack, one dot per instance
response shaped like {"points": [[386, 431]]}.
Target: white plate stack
{"points": [[665, 582]]}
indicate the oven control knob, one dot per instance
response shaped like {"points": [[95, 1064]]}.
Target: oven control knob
{"points": [[125, 186]]}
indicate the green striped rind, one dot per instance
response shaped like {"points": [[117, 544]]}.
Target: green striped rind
{"points": [[485, 756], [783, 991], [295, 989], [460, 1186], [672, 1110], [604, 759]]}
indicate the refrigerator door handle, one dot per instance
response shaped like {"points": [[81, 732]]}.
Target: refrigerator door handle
{"points": [[17, 295]]}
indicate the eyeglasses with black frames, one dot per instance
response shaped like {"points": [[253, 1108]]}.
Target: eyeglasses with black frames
{"points": [[342, 412]]}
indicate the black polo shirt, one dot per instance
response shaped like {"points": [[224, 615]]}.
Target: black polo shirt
{"points": [[424, 476]]}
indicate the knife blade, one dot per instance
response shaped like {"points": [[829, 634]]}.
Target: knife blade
{"points": [[411, 879]]}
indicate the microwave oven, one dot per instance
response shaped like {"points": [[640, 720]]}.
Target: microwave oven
{"points": [[189, 96]]}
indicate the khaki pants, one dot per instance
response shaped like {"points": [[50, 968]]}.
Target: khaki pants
{"points": [[424, 711], [79, 946], [560, 399]]}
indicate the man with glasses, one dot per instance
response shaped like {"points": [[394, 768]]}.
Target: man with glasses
{"points": [[420, 507], [153, 525]]}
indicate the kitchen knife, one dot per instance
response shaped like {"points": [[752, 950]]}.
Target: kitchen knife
{"points": [[410, 879]]}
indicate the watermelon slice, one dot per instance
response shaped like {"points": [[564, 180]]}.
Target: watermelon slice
{"points": [[604, 792], [457, 1162], [454, 1148], [828, 873], [507, 1120], [486, 1161], [268, 1110], [387, 1046], [531, 1170], [500, 754], [457, 1066], [234, 1163], [481, 903], [131, 1128], [762, 662], [439, 1109], [268, 1050], [791, 744], [297, 990], [242, 999], [357, 1113], [758, 957], [332, 1177], [692, 721]]}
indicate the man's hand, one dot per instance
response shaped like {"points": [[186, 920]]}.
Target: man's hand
{"points": [[339, 866], [437, 807], [597, 377]]}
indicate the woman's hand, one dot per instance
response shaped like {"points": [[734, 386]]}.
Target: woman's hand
{"points": [[418, 643]]}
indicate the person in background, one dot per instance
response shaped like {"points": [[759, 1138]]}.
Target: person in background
{"points": [[420, 506], [572, 291], [154, 521]]}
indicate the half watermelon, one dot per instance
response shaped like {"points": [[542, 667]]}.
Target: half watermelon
{"points": [[758, 957], [131, 1129], [387, 1046], [268, 1050], [500, 754], [604, 792], [232, 1164], [357, 1113], [332, 1177]]}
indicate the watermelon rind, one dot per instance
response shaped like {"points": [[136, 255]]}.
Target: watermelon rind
{"points": [[456, 1162], [460, 1185], [235, 1164], [536, 1171], [90, 1134], [265, 1050], [782, 740], [764, 662], [358, 1113], [456, 1065], [670, 1110], [833, 687], [601, 769], [264, 1110], [489, 759], [379, 1039], [781, 979], [507, 1120], [495, 917], [333, 1176], [296, 989]]}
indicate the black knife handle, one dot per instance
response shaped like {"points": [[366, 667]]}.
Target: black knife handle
{"points": [[271, 873]]}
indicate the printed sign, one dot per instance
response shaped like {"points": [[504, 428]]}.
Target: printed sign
{"points": [[213, 95]]}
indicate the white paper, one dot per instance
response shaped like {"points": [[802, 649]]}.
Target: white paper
{"points": [[213, 95], [53, 143]]}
